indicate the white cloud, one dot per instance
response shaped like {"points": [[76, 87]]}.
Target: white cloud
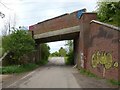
{"points": [[60, 1], [30, 11]]}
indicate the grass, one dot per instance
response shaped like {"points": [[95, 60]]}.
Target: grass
{"points": [[88, 73], [18, 68], [114, 82], [21, 68]]}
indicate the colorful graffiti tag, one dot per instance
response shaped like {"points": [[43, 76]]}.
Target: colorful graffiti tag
{"points": [[104, 59]]}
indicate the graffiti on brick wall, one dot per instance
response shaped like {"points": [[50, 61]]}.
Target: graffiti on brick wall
{"points": [[115, 64], [82, 60], [103, 58]]}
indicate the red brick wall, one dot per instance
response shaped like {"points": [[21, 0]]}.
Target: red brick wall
{"points": [[103, 39], [83, 37], [65, 21]]}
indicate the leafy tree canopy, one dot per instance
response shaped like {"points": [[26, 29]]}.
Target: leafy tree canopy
{"points": [[54, 54], [69, 43], [109, 12], [70, 55], [62, 52]]}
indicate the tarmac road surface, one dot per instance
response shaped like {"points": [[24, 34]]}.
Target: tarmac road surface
{"points": [[54, 75]]}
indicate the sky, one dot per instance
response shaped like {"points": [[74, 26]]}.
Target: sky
{"points": [[29, 12]]}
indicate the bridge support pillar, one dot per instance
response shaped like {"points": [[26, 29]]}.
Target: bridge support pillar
{"points": [[38, 53], [83, 40], [77, 50]]}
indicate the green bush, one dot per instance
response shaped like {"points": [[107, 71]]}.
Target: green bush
{"points": [[70, 58], [44, 54], [42, 62], [45, 51], [18, 44], [55, 54], [61, 53], [70, 55], [114, 82]]}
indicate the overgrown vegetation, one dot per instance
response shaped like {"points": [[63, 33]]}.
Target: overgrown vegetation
{"points": [[45, 52], [69, 59], [20, 43], [114, 82], [18, 68], [89, 74], [54, 54], [17, 44], [109, 12]]}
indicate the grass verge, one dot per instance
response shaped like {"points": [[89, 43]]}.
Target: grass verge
{"points": [[89, 74], [18, 68], [21, 68], [114, 82]]}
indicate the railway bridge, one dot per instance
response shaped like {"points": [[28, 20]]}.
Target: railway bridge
{"points": [[91, 38]]}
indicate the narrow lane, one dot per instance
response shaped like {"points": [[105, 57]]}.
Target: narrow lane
{"points": [[54, 75]]}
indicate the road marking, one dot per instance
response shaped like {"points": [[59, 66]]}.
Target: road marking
{"points": [[21, 79]]}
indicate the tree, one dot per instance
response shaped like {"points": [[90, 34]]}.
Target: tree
{"points": [[62, 52], [109, 12], [70, 55], [45, 51], [54, 54], [9, 24], [5, 28], [70, 59], [69, 43], [0, 46], [2, 15], [18, 43]]}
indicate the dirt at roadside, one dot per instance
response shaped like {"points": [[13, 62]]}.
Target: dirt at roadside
{"points": [[11, 78], [5, 77]]}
